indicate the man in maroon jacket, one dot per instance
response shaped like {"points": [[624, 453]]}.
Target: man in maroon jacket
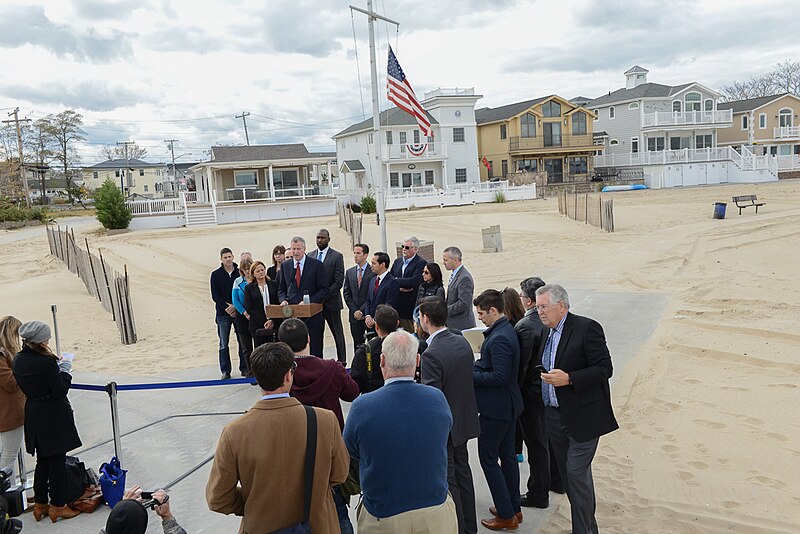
{"points": [[320, 383], [317, 382]]}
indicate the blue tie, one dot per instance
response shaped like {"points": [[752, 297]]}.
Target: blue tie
{"points": [[546, 356]]}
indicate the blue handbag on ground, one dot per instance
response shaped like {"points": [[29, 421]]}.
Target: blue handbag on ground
{"points": [[112, 481]]}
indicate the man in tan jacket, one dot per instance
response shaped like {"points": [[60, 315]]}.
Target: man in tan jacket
{"points": [[259, 464]]}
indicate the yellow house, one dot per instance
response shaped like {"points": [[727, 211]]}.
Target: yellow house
{"points": [[771, 124], [548, 134], [150, 180]]}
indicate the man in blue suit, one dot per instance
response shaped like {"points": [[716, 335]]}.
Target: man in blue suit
{"points": [[383, 289], [408, 273], [301, 275], [495, 377]]}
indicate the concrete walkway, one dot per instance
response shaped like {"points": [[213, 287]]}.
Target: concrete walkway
{"points": [[162, 452]]}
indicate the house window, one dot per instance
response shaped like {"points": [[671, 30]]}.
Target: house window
{"points": [[744, 121], [579, 123], [504, 165], [344, 145], [613, 142], [245, 178], [394, 179], [708, 105], [655, 144], [461, 176], [458, 135], [703, 141], [551, 109], [403, 142], [96, 175], [612, 112], [634, 145], [679, 143], [416, 137], [633, 105], [692, 101], [597, 114], [429, 177], [145, 189], [676, 106], [578, 165], [762, 121], [406, 179], [502, 131], [389, 137], [552, 134], [785, 118], [159, 188], [141, 172], [527, 125], [116, 173], [369, 139], [527, 165], [490, 170]]}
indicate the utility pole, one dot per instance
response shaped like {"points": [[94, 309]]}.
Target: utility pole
{"points": [[171, 145], [19, 147], [378, 177], [243, 116], [123, 177]]}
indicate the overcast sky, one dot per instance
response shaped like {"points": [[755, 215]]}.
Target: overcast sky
{"points": [[152, 70]]}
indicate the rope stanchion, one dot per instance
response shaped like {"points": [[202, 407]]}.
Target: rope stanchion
{"points": [[166, 385]]}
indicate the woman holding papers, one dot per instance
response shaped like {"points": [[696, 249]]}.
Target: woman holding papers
{"points": [[260, 293]]}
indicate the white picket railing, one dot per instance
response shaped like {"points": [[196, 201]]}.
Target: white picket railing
{"points": [[783, 132], [155, 206], [687, 118], [663, 157], [788, 163]]}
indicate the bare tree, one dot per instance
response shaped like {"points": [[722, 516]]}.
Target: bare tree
{"points": [[64, 129], [783, 78], [40, 151], [786, 76], [133, 151]]}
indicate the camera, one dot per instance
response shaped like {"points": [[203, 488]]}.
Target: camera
{"points": [[148, 501], [6, 475], [12, 500]]}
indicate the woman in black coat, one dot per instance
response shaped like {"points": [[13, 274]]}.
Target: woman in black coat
{"points": [[258, 293], [432, 285], [49, 423]]}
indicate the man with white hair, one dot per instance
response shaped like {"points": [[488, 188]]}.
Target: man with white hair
{"points": [[407, 270], [398, 434]]}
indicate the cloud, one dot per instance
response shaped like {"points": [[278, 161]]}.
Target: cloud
{"points": [[23, 25], [85, 95], [106, 9], [183, 39]]}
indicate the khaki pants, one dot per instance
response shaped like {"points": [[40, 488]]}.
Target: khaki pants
{"points": [[439, 519]]}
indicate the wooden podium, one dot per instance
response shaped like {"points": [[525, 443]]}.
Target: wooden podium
{"points": [[301, 311]]}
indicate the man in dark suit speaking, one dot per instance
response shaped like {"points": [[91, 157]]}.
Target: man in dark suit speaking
{"points": [[334, 272], [447, 365], [301, 275], [576, 396]]}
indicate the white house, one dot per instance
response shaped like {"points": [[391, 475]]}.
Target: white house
{"points": [[447, 160]]}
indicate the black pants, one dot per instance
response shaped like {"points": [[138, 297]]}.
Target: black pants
{"points": [[496, 442], [50, 477], [245, 339], [544, 470], [459, 481], [316, 330], [357, 330], [334, 320]]}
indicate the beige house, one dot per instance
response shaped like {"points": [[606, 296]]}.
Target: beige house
{"points": [[771, 124], [548, 134], [134, 176]]}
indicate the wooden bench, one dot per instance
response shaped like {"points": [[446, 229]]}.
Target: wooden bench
{"points": [[746, 201]]}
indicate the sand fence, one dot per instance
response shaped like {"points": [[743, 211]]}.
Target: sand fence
{"points": [[590, 209], [350, 222], [111, 288]]}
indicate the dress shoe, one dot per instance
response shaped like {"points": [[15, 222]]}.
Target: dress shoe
{"points": [[518, 515], [226, 376], [496, 523], [61, 512], [527, 501], [40, 510]]}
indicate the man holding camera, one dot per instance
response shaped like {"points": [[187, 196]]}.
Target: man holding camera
{"points": [[129, 516]]}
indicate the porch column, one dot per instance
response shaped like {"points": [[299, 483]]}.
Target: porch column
{"points": [[271, 183], [444, 174], [207, 185], [330, 176]]}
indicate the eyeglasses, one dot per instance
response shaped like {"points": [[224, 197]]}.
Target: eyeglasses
{"points": [[407, 247], [293, 367], [542, 307]]}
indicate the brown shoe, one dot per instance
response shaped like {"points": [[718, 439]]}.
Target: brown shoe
{"points": [[61, 512], [493, 511], [40, 510], [497, 523]]}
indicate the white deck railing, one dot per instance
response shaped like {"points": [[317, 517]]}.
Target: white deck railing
{"points": [[788, 163], [722, 117], [155, 205], [244, 195], [745, 160], [784, 132], [402, 152]]}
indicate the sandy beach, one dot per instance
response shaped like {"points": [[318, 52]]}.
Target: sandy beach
{"points": [[707, 406]]}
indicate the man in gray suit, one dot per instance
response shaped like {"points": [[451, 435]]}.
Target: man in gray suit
{"points": [[459, 291], [447, 365], [332, 310], [356, 288]]}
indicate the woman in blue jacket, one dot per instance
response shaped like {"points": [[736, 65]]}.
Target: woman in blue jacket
{"points": [[242, 319]]}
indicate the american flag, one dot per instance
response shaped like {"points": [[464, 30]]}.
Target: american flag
{"points": [[401, 93]]}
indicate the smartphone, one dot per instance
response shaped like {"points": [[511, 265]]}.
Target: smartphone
{"points": [[540, 369]]}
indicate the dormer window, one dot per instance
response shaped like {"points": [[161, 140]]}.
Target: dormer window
{"points": [[551, 109], [692, 101]]}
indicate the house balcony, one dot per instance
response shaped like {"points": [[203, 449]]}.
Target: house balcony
{"points": [[722, 118], [664, 157], [414, 152], [787, 132], [551, 143]]}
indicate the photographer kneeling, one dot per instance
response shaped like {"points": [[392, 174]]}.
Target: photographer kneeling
{"points": [[129, 516]]}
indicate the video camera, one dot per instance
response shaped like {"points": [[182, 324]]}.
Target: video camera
{"points": [[148, 501], [11, 498]]}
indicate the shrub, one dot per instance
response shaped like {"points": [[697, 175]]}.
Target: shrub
{"points": [[112, 212], [10, 212], [368, 204], [499, 197]]}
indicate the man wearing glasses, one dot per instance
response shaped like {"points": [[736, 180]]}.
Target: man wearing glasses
{"points": [[407, 270], [576, 397]]}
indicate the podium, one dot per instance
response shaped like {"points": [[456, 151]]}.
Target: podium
{"points": [[301, 311]]}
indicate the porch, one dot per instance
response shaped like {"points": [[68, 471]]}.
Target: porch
{"points": [[722, 118]]}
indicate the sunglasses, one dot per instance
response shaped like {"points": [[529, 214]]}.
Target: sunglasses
{"points": [[406, 247]]}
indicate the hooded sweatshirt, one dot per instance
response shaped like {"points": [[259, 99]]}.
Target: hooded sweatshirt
{"points": [[321, 383]]}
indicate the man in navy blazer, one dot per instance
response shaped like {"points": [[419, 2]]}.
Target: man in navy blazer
{"points": [[408, 273], [383, 289], [495, 376], [301, 275]]}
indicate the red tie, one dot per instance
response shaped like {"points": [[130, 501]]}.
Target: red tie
{"points": [[377, 283], [297, 275], [360, 276]]}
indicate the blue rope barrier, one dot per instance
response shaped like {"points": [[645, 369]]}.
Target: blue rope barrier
{"points": [[167, 385]]}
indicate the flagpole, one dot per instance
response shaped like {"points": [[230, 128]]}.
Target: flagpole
{"points": [[376, 123]]}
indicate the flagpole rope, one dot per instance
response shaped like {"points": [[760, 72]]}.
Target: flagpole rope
{"points": [[358, 66]]}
